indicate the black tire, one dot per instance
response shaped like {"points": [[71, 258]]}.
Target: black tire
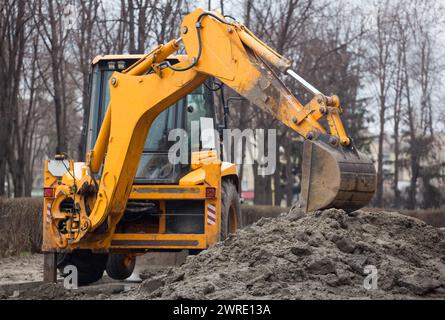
{"points": [[120, 266], [231, 217], [90, 266]]}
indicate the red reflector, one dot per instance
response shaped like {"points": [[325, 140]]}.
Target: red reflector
{"points": [[210, 192], [48, 192]]}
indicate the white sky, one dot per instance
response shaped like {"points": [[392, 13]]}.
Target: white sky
{"points": [[236, 9]]}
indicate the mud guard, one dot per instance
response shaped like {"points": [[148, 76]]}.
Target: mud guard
{"points": [[334, 176]]}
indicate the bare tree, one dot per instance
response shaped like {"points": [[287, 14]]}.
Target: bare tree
{"points": [[12, 49], [85, 49], [398, 88], [28, 116], [381, 67], [50, 24], [419, 72], [45, 66]]}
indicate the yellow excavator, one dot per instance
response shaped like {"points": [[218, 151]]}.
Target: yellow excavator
{"points": [[129, 198]]}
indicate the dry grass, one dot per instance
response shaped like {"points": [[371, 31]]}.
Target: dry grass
{"points": [[434, 217], [253, 213], [20, 225]]}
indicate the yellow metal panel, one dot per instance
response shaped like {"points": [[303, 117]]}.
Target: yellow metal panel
{"points": [[213, 179], [228, 169], [193, 178], [154, 241], [158, 192]]}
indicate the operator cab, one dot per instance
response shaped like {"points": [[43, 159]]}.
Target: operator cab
{"points": [[154, 166]]}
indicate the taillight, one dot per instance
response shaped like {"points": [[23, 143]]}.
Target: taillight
{"points": [[210, 192], [48, 192]]}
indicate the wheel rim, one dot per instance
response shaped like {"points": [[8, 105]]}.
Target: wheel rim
{"points": [[128, 260]]}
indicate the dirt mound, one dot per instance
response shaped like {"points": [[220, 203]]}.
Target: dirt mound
{"points": [[322, 256]]}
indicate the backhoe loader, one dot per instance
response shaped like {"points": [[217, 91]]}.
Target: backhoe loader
{"points": [[127, 198]]}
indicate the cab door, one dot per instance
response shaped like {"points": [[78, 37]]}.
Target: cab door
{"points": [[154, 166]]}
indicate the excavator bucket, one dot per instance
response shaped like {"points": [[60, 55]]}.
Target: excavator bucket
{"points": [[335, 177]]}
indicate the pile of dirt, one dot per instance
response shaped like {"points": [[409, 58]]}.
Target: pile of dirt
{"points": [[325, 255]]}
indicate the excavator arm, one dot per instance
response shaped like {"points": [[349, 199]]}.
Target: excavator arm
{"points": [[334, 173]]}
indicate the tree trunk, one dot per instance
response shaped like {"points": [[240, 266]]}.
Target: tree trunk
{"points": [[412, 192], [56, 64], [17, 178], [290, 180], [278, 190], [2, 177], [131, 27], [396, 203], [263, 190], [379, 191]]}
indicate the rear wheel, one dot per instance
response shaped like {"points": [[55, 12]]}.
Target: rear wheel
{"points": [[90, 266], [231, 218], [120, 266]]}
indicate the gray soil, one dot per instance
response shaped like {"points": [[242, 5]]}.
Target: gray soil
{"points": [[319, 256], [23, 268], [21, 278]]}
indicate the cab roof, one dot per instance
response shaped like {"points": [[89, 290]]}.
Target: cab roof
{"points": [[115, 57], [107, 57]]}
